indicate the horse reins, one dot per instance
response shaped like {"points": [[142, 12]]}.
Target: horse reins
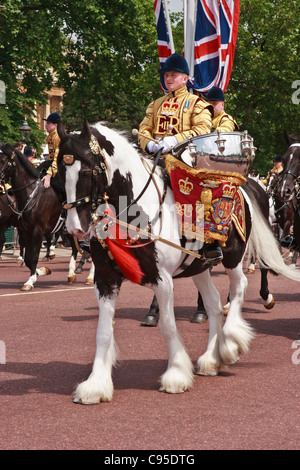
{"points": [[96, 171], [11, 162]]}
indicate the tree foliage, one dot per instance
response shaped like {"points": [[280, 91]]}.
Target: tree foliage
{"points": [[104, 54], [266, 67]]}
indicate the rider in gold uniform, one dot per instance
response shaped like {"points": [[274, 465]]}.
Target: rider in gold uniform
{"points": [[53, 146], [188, 114], [221, 121], [277, 168]]}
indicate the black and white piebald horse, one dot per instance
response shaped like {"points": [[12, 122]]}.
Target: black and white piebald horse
{"points": [[113, 179]]}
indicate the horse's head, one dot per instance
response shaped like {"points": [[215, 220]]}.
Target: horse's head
{"points": [[82, 167], [6, 162], [289, 185]]}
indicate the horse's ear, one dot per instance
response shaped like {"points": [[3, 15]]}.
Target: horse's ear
{"points": [[86, 131], [61, 130], [286, 137]]}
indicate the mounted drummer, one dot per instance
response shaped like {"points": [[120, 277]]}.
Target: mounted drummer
{"points": [[186, 114], [222, 121]]}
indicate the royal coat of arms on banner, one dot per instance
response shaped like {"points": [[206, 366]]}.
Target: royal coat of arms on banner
{"points": [[206, 201]]}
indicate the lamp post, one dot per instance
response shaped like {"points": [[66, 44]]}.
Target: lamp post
{"points": [[25, 130]]}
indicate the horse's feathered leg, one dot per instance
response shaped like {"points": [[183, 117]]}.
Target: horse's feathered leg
{"points": [[72, 262], [209, 363], [179, 374], [90, 278], [99, 386], [237, 333], [32, 251]]}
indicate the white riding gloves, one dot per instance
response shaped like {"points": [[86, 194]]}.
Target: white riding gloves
{"points": [[151, 147], [167, 144]]}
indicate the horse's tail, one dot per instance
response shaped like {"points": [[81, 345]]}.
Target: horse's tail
{"points": [[264, 246]]}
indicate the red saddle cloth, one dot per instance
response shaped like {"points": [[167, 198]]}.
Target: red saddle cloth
{"points": [[207, 201]]}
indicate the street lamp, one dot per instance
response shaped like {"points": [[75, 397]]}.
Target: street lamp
{"points": [[25, 130]]}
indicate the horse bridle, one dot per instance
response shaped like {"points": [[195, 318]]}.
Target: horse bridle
{"points": [[11, 163], [98, 169], [296, 177]]}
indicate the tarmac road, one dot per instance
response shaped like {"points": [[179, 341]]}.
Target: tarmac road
{"points": [[49, 340]]}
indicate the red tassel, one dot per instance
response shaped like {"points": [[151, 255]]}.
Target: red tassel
{"points": [[128, 264]]}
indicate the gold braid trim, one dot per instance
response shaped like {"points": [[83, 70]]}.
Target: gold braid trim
{"points": [[203, 174]]}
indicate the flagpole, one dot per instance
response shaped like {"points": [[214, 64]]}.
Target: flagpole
{"points": [[190, 9], [169, 26]]}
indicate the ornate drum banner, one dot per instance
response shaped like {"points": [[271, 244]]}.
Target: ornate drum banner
{"points": [[206, 199]]}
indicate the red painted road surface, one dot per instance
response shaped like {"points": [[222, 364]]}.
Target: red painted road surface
{"points": [[49, 340]]}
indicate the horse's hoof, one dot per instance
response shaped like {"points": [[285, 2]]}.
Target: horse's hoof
{"points": [[79, 401], [199, 317], [169, 390], [212, 372], [89, 282], [226, 309], [251, 271], [51, 257], [43, 271], [150, 320], [26, 287], [270, 304], [71, 279]]}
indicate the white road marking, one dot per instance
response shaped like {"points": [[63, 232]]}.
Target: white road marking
{"points": [[45, 291]]}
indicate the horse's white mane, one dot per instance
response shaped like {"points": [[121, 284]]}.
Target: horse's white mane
{"points": [[118, 138]]}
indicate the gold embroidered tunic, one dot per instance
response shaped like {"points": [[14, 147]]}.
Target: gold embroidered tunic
{"points": [[189, 115], [224, 122], [270, 173], [53, 146]]}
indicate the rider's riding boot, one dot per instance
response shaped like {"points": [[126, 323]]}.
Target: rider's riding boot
{"points": [[200, 315], [152, 317], [212, 252]]}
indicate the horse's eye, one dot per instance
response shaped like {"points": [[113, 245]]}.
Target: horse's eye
{"points": [[68, 159]]}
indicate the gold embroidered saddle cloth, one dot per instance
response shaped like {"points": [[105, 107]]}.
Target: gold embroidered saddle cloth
{"points": [[206, 201]]}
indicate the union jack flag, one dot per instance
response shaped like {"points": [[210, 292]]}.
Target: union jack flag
{"points": [[215, 39], [163, 39]]}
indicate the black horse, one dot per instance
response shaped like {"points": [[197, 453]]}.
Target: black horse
{"points": [[39, 209], [9, 218], [289, 187]]}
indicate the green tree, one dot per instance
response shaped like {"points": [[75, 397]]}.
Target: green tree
{"points": [[104, 54], [266, 64]]}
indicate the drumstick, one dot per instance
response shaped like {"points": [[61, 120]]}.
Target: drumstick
{"points": [[136, 132], [170, 127]]}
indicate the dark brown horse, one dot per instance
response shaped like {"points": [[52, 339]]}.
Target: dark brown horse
{"points": [[289, 185], [9, 218], [39, 209]]}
